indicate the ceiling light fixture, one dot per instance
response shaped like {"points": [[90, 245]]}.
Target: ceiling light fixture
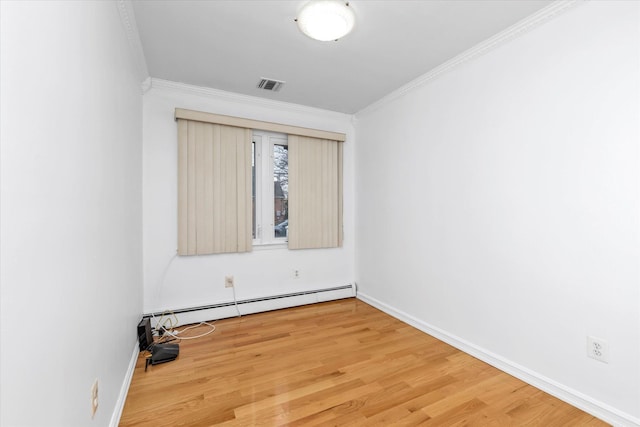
{"points": [[326, 20]]}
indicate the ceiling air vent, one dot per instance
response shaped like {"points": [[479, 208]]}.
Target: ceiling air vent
{"points": [[270, 84]]}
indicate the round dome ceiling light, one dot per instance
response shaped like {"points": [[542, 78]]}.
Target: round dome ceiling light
{"points": [[326, 20]]}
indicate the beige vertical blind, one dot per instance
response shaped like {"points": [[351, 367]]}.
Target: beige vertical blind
{"points": [[214, 188], [315, 193]]}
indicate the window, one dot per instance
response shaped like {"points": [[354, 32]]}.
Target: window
{"points": [[234, 185], [270, 194]]}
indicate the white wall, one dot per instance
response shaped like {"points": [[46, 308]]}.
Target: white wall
{"points": [[71, 274], [499, 203], [172, 282]]}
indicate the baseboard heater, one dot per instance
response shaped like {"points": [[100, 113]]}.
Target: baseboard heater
{"points": [[256, 305]]}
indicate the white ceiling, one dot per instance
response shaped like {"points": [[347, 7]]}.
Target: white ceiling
{"points": [[230, 45]]}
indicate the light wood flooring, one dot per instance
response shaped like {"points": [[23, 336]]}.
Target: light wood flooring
{"points": [[340, 363]]}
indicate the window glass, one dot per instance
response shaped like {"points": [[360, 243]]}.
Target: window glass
{"points": [[280, 190]]}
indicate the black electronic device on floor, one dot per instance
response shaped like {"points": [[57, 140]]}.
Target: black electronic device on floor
{"points": [[162, 353], [145, 336]]}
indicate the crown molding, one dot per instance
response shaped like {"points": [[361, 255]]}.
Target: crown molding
{"points": [[522, 27], [127, 17], [242, 99]]}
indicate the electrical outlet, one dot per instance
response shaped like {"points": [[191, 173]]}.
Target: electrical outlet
{"points": [[94, 398], [228, 282], [296, 274], [598, 349]]}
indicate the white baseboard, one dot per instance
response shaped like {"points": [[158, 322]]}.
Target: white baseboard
{"points": [[122, 397], [579, 400]]}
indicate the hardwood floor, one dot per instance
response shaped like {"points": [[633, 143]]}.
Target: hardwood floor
{"points": [[340, 363]]}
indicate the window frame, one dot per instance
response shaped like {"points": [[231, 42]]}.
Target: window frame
{"points": [[263, 146]]}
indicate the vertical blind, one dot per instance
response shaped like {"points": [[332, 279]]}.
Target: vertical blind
{"points": [[214, 188], [315, 193]]}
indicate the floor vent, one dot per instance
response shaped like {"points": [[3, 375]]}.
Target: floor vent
{"points": [[270, 84]]}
